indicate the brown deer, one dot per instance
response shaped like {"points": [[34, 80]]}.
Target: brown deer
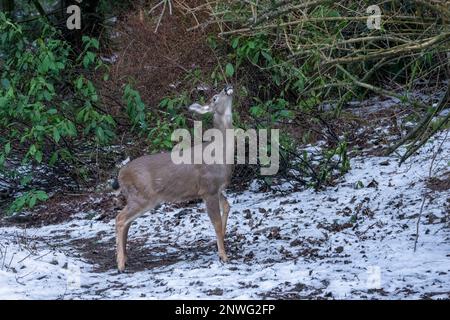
{"points": [[152, 179]]}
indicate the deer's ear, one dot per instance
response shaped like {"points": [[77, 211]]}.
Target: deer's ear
{"points": [[199, 108]]}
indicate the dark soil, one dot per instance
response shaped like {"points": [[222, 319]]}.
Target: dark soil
{"points": [[141, 257], [62, 207], [439, 185]]}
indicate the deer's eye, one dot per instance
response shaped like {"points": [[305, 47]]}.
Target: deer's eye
{"points": [[215, 98]]}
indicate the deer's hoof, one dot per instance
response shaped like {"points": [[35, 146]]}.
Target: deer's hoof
{"points": [[223, 258], [121, 264]]}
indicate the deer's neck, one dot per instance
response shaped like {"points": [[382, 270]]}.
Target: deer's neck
{"points": [[223, 122]]}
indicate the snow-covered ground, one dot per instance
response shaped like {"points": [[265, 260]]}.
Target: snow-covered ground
{"points": [[352, 241]]}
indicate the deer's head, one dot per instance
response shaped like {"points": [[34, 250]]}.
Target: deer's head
{"points": [[219, 104]]}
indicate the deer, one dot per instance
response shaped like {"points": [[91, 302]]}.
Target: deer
{"points": [[150, 180]]}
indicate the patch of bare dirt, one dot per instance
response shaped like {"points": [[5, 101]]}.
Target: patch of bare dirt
{"points": [[102, 254], [141, 255], [62, 207], [439, 184]]}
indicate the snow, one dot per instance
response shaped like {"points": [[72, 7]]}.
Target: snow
{"points": [[111, 59], [351, 241]]}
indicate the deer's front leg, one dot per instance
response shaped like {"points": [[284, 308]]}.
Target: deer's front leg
{"points": [[213, 208], [225, 207]]}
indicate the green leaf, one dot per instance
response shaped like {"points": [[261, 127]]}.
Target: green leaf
{"points": [[94, 43], [71, 130], [32, 149], [47, 95], [25, 180], [6, 84], [45, 65], [100, 134], [88, 59], [32, 201], [56, 135], [41, 195], [7, 148], [267, 56], [255, 57], [286, 114], [38, 156], [300, 84], [235, 43], [256, 111], [79, 82], [53, 158], [229, 70], [19, 202]]}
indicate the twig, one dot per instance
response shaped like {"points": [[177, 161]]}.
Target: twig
{"points": [[368, 228], [164, 3], [418, 222], [4, 257], [435, 154]]}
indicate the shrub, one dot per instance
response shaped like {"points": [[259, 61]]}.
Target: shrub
{"points": [[47, 102]]}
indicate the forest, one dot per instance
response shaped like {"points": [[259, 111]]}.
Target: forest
{"points": [[348, 100]]}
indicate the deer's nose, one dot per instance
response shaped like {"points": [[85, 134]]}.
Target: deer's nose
{"points": [[228, 89]]}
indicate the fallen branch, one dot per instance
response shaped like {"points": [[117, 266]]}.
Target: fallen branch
{"points": [[395, 51], [388, 19], [423, 125]]}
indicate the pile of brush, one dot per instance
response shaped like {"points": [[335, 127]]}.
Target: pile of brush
{"points": [[335, 51]]}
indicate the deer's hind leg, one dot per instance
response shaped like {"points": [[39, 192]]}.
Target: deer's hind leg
{"points": [[131, 212], [225, 208], [213, 208]]}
